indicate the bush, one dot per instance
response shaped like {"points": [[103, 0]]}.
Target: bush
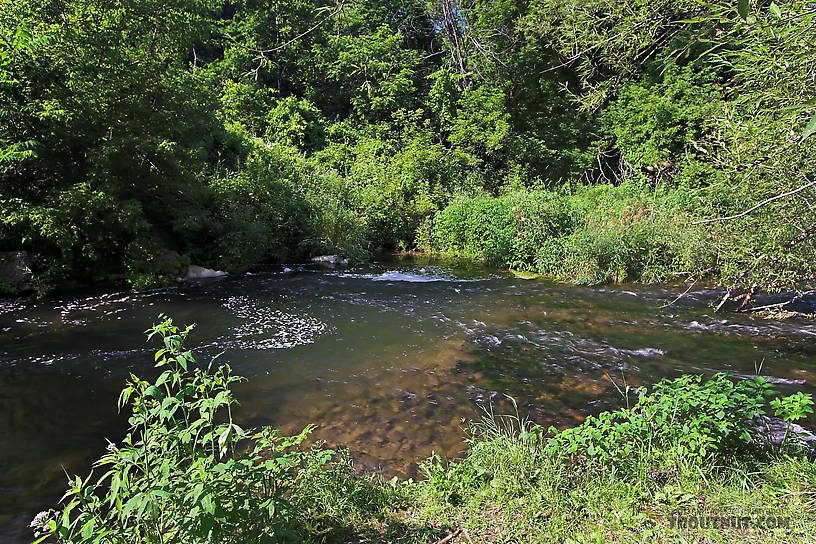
{"points": [[258, 216], [686, 449], [638, 244], [149, 265], [186, 472], [679, 420], [335, 229], [593, 236], [480, 227]]}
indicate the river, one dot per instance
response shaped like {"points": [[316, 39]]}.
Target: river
{"points": [[388, 359]]}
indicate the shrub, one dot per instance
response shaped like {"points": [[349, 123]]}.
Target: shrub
{"points": [[151, 265], [540, 217], [258, 216], [480, 227], [680, 420], [636, 244], [594, 236], [335, 229], [186, 472]]}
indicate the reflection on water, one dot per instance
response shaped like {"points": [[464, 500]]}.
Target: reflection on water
{"points": [[389, 360]]}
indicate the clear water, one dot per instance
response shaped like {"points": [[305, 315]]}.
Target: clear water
{"points": [[387, 359]]}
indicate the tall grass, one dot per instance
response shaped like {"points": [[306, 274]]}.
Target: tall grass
{"points": [[595, 235]]}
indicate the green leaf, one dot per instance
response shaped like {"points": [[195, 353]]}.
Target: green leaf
{"points": [[154, 392], [810, 128], [743, 8], [775, 10], [182, 360], [222, 440]]}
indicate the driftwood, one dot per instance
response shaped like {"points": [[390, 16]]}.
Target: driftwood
{"points": [[745, 298], [780, 305]]}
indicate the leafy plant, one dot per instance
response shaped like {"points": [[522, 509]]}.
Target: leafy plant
{"points": [[791, 409], [683, 418], [687, 448], [186, 472]]}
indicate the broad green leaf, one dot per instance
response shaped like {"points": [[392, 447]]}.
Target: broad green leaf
{"points": [[743, 8], [222, 440], [775, 10], [810, 128], [154, 392], [182, 360]]}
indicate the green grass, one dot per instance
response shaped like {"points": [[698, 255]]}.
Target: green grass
{"points": [[509, 489], [593, 235]]}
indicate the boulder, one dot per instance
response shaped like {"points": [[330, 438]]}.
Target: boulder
{"points": [[773, 429], [200, 273], [15, 270]]}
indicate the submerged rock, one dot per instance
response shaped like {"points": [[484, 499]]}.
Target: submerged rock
{"points": [[200, 273], [329, 260], [15, 270], [524, 275]]}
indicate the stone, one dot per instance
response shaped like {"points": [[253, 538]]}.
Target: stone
{"points": [[15, 270], [200, 273], [772, 429]]}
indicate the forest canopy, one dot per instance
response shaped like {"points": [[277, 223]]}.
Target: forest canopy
{"points": [[590, 140]]}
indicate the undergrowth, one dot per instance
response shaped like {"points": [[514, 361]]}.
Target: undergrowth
{"points": [[590, 236]]}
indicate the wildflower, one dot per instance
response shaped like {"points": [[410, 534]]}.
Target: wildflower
{"points": [[40, 523]]}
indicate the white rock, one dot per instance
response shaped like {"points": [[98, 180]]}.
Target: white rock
{"points": [[200, 273]]}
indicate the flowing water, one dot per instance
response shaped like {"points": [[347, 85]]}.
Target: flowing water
{"points": [[388, 359]]}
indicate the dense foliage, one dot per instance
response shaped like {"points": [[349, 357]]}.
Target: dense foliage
{"points": [[138, 136], [688, 449]]}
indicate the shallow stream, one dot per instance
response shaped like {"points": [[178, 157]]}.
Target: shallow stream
{"points": [[387, 359]]}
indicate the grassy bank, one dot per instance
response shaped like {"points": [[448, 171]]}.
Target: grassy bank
{"points": [[684, 462], [586, 235]]}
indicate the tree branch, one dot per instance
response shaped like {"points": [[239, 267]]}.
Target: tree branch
{"points": [[753, 208]]}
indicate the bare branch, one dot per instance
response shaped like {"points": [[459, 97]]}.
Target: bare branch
{"points": [[753, 208], [337, 10]]}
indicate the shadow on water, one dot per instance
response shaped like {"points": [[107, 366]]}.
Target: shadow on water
{"points": [[390, 360]]}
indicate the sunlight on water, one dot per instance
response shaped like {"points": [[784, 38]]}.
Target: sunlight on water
{"points": [[267, 328]]}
